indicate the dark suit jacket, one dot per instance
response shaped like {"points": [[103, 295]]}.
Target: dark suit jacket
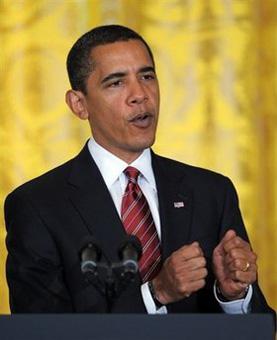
{"points": [[48, 218]]}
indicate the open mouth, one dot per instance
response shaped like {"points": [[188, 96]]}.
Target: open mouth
{"points": [[142, 120]]}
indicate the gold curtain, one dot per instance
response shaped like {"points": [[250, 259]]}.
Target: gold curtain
{"points": [[216, 62]]}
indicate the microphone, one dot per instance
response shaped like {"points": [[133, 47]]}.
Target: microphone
{"points": [[90, 255], [130, 253]]}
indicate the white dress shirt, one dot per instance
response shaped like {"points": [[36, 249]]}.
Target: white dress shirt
{"points": [[111, 169]]}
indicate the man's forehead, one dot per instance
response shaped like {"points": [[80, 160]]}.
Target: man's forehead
{"points": [[121, 51]]}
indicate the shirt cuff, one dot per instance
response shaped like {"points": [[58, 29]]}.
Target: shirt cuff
{"points": [[149, 302], [241, 306]]}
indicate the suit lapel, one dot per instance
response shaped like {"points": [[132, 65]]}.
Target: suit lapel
{"points": [[175, 204], [91, 198]]}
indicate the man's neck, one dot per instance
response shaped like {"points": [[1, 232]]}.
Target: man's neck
{"points": [[126, 156]]}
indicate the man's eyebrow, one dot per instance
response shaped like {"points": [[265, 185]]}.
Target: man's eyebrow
{"points": [[117, 75], [147, 69], [112, 76]]}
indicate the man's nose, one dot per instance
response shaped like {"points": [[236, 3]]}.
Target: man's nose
{"points": [[137, 93]]}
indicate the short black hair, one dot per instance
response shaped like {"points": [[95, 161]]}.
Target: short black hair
{"points": [[79, 63]]}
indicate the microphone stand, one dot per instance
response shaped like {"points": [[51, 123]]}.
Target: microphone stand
{"points": [[113, 281], [115, 277]]}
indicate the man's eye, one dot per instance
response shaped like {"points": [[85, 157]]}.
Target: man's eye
{"points": [[148, 76], [115, 83]]}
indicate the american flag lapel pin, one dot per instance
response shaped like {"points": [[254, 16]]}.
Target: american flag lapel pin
{"points": [[179, 204]]}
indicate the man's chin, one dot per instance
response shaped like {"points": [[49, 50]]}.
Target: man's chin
{"points": [[141, 144]]}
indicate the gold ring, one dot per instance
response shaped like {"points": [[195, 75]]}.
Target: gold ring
{"points": [[246, 267]]}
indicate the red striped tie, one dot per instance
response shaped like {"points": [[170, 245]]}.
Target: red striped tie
{"points": [[137, 220]]}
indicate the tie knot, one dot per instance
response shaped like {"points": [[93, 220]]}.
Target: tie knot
{"points": [[132, 174]]}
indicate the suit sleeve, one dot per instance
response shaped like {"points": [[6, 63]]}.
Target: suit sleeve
{"points": [[33, 269]]}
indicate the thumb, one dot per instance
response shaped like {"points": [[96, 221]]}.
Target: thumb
{"points": [[229, 235], [219, 250]]}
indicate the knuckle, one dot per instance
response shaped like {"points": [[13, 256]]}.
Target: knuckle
{"points": [[237, 241], [203, 261], [198, 252], [236, 263], [197, 249], [181, 287], [233, 253], [237, 275], [175, 272], [202, 283], [204, 272]]}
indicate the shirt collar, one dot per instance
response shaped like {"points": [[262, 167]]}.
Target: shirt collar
{"points": [[111, 167]]}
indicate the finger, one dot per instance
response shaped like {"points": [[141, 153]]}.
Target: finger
{"points": [[183, 262], [195, 263], [242, 265], [236, 242], [197, 246], [219, 250], [199, 274], [240, 254], [189, 251], [186, 270], [243, 277], [242, 271], [192, 275], [230, 234]]}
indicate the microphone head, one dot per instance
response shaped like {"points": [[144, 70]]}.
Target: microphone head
{"points": [[131, 242], [89, 247], [90, 255]]}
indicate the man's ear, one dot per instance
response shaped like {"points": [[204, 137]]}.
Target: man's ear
{"points": [[77, 103]]}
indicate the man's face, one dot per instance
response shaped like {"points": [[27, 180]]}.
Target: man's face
{"points": [[122, 98]]}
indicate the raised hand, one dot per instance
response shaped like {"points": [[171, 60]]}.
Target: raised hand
{"points": [[234, 265], [182, 273]]}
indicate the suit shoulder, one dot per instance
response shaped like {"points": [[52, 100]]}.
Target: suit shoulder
{"points": [[53, 178], [192, 173], [50, 185]]}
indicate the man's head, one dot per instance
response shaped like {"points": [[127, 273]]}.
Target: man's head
{"points": [[79, 62], [116, 89]]}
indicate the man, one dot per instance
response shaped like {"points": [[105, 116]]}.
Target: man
{"points": [[201, 259]]}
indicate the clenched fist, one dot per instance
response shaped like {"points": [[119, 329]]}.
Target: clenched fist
{"points": [[182, 273], [234, 265]]}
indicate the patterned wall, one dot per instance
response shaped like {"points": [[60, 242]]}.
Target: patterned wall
{"points": [[216, 62]]}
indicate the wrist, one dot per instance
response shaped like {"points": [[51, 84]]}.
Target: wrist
{"points": [[226, 297], [152, 291]]}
